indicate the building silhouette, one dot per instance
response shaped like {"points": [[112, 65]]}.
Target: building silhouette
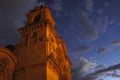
{"points": [[40, 54]]}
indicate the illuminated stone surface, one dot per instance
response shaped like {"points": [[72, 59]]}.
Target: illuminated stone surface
{"points": [[7, 63], [41, 53]]}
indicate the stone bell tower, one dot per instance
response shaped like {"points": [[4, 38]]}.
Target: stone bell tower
{"points": [[41, 53]]}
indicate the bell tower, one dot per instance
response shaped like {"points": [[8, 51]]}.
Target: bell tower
{"points": [[41, 53]]}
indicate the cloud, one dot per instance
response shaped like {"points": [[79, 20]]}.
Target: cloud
{"points": [[106, 4], [84, 69], [113, 74], [102, 23], [92, 22], [80, 66], [89, 30], [102, 50], [40, 2], [93, 28], [57, 5], [101, 79], [89, 5], [116, 42], [85, 48], [82, 49], [98, 73], [99, 67], [100, 11]]}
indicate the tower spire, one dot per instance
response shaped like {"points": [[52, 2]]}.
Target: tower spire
{"points": [[41, 53], [39, 14]]}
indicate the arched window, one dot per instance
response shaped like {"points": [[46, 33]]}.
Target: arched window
{"points": [[37, 18]]}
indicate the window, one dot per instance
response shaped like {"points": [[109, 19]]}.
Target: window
{"points": [[37, 18]]}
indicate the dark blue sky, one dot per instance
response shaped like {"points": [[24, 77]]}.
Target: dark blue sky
{"points": [[90, 28]]}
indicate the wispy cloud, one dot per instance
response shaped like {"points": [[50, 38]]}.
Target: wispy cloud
{"points": [[99, 67], [100, 11], [114, 44], [106, 4], [92, 21], [97, 27], [57, 6], [82, 49], [89, 5], [102, 50], [80, 66], [114, 73], [40, 2], [89, 30], [98, 73]]}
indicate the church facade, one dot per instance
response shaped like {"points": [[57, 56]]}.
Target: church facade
{"points": [[40, 54]]}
